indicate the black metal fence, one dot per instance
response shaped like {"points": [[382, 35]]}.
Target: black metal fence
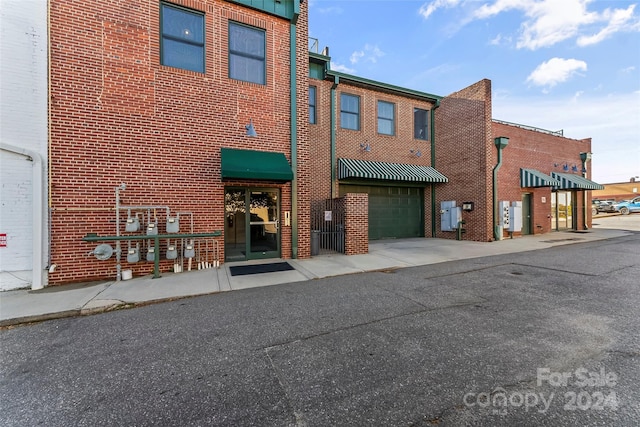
{"points": [[327, 226]]}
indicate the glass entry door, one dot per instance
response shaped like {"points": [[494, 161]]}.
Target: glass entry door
{"points": [[562, 210], [254, 234]]}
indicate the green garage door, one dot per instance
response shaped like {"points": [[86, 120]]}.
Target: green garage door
{"points": [[394, 212]]}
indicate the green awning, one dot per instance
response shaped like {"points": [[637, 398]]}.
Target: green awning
{"points": [[570, 181], [534, 178], [250, 164], [365, 169]]}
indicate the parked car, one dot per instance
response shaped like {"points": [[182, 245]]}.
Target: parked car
{"points": [[628, 206], [606, 206]]}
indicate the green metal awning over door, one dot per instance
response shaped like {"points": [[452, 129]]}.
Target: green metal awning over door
{"points": [[366, 169], [574, 182], [534, 178], [250, 164]]}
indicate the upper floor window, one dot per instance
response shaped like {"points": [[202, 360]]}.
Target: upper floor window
{"points": [[420, 123], [312, 104], [247, 58], [386, 118], [182, 38], [349, 111]]}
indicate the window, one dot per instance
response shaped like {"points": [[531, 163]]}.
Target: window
{"points": [[182, 38], [349, 111], [312, 104], [420, 120], [386, 118], [247, 53]]}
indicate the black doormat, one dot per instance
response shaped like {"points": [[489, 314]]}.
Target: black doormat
{"points": [[243, 270]]}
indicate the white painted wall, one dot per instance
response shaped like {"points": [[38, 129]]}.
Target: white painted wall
{"points": [[23, 123]]}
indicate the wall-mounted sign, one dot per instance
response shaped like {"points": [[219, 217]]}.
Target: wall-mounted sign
{"points": [[327, 215], [3, 240]]}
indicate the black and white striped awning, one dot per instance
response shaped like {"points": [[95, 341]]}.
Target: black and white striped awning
{"points": [[366, 169], [570, 181], [534, 178]]}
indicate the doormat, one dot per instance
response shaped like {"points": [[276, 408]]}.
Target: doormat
{"points": [[243, 270]]}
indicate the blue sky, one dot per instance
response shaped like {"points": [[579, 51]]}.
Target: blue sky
{"points": [[554, 64]]}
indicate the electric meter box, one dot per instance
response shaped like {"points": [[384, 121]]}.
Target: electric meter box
{"points": [[450, 215], [515, 213], [505, 214]]}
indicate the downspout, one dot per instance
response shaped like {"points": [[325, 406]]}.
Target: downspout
{"points": [[51, 267], [500, 143], [336, 82], [38, 279], [294, 130], [433, 165]]}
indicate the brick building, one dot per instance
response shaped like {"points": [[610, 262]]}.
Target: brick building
{"points": [[191, 104], [209, 124], [418, 157]]}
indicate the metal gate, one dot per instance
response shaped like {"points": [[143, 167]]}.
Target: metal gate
{"points": [[327, 226]]}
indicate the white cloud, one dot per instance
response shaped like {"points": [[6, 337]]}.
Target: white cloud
{"points": [[618, 20], [370, 53], [549, 22], [428, 8], [342, 68], [324, 10], [356, 56], [556, 70], [628, 70]]}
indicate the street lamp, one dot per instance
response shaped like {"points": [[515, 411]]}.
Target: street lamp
{"points": [[585, 157]]}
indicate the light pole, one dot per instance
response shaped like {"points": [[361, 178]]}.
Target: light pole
{"points": [[585, 157]]}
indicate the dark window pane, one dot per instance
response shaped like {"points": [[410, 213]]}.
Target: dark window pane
{"points": [[180, 55], [420, 123], [246, 69], [386, 118], [349, 111], [182, 42], [246, 53], [312, 104], [385, 110], [183, 25]]}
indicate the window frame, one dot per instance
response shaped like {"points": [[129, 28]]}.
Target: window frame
{"points": [[235, 53], [165, 36], [391, 120], [426, 124], [313, 117], [350, 113]]}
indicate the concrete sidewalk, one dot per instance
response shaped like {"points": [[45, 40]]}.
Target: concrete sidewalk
{"points": [[21, 306]]}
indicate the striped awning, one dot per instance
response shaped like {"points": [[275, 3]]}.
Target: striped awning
{"points": [[534, 178], [570, 181], [366, 169]]}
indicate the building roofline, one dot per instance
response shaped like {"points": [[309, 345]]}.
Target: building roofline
{"points": [[361, 81], [531, 128]]}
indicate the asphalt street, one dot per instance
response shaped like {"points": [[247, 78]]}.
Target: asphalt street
{"points": [[538, 338]]}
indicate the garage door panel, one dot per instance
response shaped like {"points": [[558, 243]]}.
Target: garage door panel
{"points": [[394, 212]]}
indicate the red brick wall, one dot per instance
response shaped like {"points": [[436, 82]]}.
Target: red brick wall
{"points": [[118, 116], [320, 143], [384, 148], [356, 223], [465, 154], [304, 177], [541, 151]]}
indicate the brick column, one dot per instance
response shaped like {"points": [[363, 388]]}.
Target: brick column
{"points": [[356, 223]]}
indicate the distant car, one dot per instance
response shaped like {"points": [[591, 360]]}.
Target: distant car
{"points": [[627, 206], [598, 206]]}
